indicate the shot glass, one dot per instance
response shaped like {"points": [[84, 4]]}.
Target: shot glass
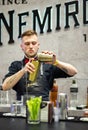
{"points": [[33, 110]]}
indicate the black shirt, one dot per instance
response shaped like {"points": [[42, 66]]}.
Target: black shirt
{"points": [[44, 80]]}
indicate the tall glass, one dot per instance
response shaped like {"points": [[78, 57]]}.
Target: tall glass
{"points": [[33, 110]]}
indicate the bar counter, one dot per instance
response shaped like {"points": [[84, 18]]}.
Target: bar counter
{"points": [[11, 123]]}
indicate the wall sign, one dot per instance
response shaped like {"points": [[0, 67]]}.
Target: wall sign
{"points": [[47, 19]]}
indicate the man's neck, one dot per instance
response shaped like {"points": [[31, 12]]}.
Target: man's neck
{"points": [[28, 57]]}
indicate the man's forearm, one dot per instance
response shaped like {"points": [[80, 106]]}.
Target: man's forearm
{"points": [[67, 68], [12, 80]]}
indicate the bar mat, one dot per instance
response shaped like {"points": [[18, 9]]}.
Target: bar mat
{"points": [[12, 115], [77, 119]]}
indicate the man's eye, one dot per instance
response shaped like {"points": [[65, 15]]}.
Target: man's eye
{"points": [[33, 43], [27, 43]]}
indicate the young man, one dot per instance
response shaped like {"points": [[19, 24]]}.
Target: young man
{"points": [[17, 76]]}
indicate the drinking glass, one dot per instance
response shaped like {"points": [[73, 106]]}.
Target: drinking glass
{"points": [[33, 110]]}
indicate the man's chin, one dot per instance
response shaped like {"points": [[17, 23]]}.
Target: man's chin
{"points": [[31, 56]]}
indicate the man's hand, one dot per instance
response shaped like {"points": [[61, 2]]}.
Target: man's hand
{"points": [[29, 67]]}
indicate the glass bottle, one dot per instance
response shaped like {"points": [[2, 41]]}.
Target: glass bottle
{"points": [[73, 94], [87, 98], [53, 93]]}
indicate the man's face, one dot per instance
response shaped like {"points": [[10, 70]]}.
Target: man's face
{"points": [[30, 45]]}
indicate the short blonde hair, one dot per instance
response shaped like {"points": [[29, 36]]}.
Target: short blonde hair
{"points": [[29, 33]]}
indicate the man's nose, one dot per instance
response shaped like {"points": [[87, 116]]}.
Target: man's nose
{"points": [[31, 45]]}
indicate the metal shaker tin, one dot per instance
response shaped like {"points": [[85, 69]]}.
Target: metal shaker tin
{"points": [[33, 76], [62, 99], [45, 57]]}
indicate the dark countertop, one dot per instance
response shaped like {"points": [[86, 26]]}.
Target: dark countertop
{"points": [[11, 123]]}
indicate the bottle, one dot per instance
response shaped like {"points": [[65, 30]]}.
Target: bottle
{"points": [[0, 93], [53, 93], [87, 98], [73, 94]]}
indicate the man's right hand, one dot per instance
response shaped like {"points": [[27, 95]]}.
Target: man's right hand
{"points": [[29, 67]]}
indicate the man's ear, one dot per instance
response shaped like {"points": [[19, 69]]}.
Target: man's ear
{"points": [[21, 46], [38, 45]]}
